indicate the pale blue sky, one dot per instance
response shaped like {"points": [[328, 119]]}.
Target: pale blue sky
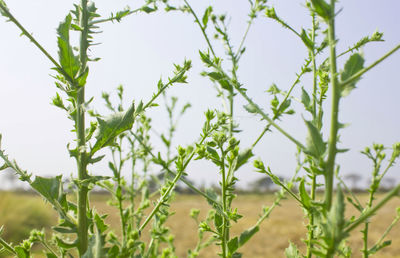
{"points": [[137, 51]]}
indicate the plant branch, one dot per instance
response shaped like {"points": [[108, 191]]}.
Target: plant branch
{"points": [[369, 212], [366, 69]]}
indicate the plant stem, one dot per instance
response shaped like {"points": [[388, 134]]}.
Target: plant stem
{"points": [[34, 41], [7, 246], [81, 137], [314, 114], [165, 166], [203, 30], [330, 166], [269, 120], [171, 187], [370, 212], [225, 221]]}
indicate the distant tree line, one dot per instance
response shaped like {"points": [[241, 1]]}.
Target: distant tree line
{"points": [[353, 181]]}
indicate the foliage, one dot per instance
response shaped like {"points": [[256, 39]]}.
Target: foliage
{"points": [[143, 199]]}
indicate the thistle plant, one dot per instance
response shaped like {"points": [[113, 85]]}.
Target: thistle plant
{"points": [[128, 135]]}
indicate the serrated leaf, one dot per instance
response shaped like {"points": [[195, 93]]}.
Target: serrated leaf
{"points": [[292, 251], [68, 61], [243, 157], [315, 144], [333, 228], [52, 190], [96, 246], [112, 126], [354, 64]]}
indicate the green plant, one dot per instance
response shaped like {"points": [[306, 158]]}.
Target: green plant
{"points": [[143, 198]]}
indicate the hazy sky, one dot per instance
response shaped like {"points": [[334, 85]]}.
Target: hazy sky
{"points": [[140, 49]]}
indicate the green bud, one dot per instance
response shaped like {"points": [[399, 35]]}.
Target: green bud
{"points": [[194, 213]]}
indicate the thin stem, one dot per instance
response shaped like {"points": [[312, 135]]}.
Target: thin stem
{"points": [[369, 205], [311, 221], [170, 188], [332, 151], [113, 18], [369, 212], [203, 30], [287, 95], [34, 41], [7, 246], [314, 70], [269, 120], [394, 222], [48, 248], [190, 185]]}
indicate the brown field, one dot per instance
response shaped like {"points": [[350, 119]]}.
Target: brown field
{"points": [[286, 223]]}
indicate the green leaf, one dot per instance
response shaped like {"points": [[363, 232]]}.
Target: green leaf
{"points": [[322, 8], [244, 156], [21, 252], [378, 247], [305, 99], [306, 40], [292, 251], [3, 5], [66, 245], [247, 234], [315, 144], [218, 222], [237, 242], [96, 246], [215, 76], [233, 245], [225, 84], [147, 9], [52, 190], [250, 108], [305, 198], [352, 66], [334, 227], [206, 15], [112, 126], [51, 255], [68, 61]]}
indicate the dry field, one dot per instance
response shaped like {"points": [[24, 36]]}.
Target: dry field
{"points": [[285, 223]]}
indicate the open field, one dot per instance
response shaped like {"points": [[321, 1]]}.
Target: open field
{"points": [[285, 223]]}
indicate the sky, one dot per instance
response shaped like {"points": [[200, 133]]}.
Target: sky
{"points": [[143, 48]]}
